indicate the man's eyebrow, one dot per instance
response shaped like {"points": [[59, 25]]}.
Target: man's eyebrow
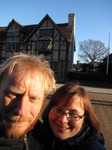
{"points": [[14, 82], [15, 86], [14, 89]]}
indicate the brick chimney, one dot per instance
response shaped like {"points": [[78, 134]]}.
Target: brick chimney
{"points": [[71, 19], [71, 23]]}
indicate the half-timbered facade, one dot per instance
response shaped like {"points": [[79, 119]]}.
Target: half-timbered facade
{"points": [[55, 41]]}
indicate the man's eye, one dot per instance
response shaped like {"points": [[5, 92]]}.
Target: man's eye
{"points": [[34, 99], [10, 95]]}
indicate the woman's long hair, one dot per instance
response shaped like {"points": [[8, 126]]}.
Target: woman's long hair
{"points": [[66, 92]]}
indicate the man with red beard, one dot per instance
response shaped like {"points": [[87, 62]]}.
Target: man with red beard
{"points": [[25, 80]]}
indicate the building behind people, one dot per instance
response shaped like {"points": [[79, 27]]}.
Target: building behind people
{"points": [[25, 80], [69, 122]]}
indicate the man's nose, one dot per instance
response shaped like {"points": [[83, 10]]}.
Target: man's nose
{"points": [[22, 106]]}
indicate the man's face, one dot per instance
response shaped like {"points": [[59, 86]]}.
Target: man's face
{"points": [[21, 100]]}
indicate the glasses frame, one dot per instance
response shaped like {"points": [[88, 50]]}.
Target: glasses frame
{"points": [[68, 117]]}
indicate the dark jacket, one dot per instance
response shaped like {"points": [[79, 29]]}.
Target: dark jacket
{"points": [[84, 140], [21, 144]]}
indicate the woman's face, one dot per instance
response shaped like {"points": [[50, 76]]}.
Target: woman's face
{"points": [[62, 126]]}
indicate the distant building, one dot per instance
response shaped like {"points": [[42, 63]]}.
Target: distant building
{"points": [[110, 58], [55, 41]]}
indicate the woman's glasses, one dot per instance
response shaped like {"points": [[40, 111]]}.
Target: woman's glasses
{"points": [[57, 111]]}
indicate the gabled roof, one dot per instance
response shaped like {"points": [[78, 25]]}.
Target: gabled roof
{"points": [[14, 21], [66, 30], [62, 28], [3, 30], [29, 30]]}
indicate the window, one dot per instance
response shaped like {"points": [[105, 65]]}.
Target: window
{"points": [[46, 32], [44, 45], [13, 46], [12, 33], [54, 66]]}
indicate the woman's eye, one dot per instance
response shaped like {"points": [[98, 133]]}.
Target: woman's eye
{"points": [[59, 109], [72, 114], [75, 116]]}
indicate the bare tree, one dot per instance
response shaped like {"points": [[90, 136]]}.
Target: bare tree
{"points": [[92, 51]]}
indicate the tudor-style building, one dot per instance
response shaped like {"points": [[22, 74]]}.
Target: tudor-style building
{"points": [[55, 41]]}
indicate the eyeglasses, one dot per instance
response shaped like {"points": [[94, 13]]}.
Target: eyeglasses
{"points": [[70, 115]]}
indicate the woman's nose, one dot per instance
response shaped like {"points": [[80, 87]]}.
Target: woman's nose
{"points": [[63, 117]]}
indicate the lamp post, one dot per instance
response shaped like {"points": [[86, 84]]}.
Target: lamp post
{"points": [[108, 53]]}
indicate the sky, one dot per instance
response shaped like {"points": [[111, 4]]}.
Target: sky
{"points": [[93, 17]]}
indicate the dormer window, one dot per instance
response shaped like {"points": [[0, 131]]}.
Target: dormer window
{"points": [[13, 33], [46, 32]]}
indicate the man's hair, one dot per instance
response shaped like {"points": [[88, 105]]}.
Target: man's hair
{"points": [[20, 63]]}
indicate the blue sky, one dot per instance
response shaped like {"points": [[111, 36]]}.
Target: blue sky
{"points": [[93, 17]]}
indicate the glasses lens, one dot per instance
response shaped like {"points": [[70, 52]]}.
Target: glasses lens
{"points": [[56, 111], [70, 115]]}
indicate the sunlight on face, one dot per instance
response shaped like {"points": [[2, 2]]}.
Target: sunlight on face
{"points": [[62, 127], [23, 99]]}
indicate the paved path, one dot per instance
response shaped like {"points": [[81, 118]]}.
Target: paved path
{"points": [[102, 103]]}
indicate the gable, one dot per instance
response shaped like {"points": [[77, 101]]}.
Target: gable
{"points": [[32, 31], [48, 23], [14, 25]]}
